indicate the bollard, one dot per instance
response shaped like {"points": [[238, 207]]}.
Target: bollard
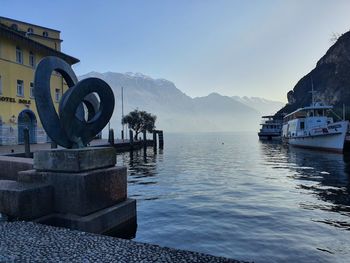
{"points": [[111, 137], [161, 139], [26, 142], [53, 145]]}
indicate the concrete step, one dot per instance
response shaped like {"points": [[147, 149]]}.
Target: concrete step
{"points": [[10, 166], [118, 218], [25, 201]]}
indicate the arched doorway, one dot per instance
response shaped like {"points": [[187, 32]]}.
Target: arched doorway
{"points": [[26, 119]]}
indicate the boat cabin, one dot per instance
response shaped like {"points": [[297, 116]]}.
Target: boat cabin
{"points": [[271, 124], [307, 121]]}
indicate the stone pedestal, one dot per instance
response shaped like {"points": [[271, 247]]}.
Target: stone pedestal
{"points": [[74, 160], [80, 188]]}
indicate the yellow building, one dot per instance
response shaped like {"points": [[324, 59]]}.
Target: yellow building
{"points": [[22, 46]]}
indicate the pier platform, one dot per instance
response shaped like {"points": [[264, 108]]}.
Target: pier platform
{"points": [[31, 242]]}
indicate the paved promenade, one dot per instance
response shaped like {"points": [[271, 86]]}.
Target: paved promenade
{"points": [[30, 242], [4, 149]]}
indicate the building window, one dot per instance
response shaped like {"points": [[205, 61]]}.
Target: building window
{"points": [[20, 88], [31, 90], [45, 34], [14, 26], [19, 55], [30, 30], [0, 86], [31, 59], [57, 95]]}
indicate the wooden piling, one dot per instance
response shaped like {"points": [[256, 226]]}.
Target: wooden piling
{"points": [[155, 141], [144, 139], [131, 136], [161, 139]]}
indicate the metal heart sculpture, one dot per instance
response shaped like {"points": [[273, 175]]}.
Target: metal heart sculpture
{"points": [[84, 109]]}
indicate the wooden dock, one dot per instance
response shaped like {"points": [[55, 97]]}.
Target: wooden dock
{"points": [[123, 145]]}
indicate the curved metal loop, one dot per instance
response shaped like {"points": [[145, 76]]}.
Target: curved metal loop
{"points": [[77, 129], [69, 128]]}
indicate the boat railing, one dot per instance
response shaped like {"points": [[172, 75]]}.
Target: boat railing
{"points": [[271, 129]]}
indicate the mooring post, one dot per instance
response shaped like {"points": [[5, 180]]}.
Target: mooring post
{"points": [[131, 135], [144, 139], [155, 141], [111, 137], [161, 139], [26, 142]]}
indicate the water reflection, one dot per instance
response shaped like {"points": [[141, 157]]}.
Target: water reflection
{"points": [[142, 170], [323, 174]]}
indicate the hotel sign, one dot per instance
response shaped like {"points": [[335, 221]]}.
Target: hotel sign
{"points": [[13, 100]]}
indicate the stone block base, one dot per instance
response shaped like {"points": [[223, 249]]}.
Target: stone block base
{"points": [[74, 160], [25, 201], [80, 189], [10, 166], [83, 193], [118, 219]]}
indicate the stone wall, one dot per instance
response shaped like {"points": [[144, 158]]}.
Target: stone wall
{"points": [[41, 136], [9, 134]]}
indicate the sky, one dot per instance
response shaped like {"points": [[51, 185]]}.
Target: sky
{"points": [[233, 47]]}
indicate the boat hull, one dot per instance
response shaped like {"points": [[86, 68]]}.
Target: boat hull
{"points": [[333, 141], [270, 137]]}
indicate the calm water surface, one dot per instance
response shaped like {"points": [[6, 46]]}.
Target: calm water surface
{"points": [[228, 194]]}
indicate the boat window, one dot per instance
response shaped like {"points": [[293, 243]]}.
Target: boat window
{"points": [[319, 113], [300, 114]]}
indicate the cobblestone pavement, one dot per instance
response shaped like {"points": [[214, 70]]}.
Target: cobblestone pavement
{"points": [[30, 242]]}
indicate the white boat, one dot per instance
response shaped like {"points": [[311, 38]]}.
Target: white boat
{"points": [[312, 127], [271, 129]]}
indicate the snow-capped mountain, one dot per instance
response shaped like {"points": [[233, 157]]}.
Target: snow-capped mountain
{"points": [[174, 109], [264, 106]]}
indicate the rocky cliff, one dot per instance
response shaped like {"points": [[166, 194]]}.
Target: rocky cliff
{"points": [[330, 79]]}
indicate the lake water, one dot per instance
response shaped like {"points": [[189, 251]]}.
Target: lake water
{"points": [[228, 194]]}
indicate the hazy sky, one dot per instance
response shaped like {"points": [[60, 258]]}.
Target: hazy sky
{"points": [[252, 48]]}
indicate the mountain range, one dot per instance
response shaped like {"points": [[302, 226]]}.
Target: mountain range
{"points": [[178, 112]]}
